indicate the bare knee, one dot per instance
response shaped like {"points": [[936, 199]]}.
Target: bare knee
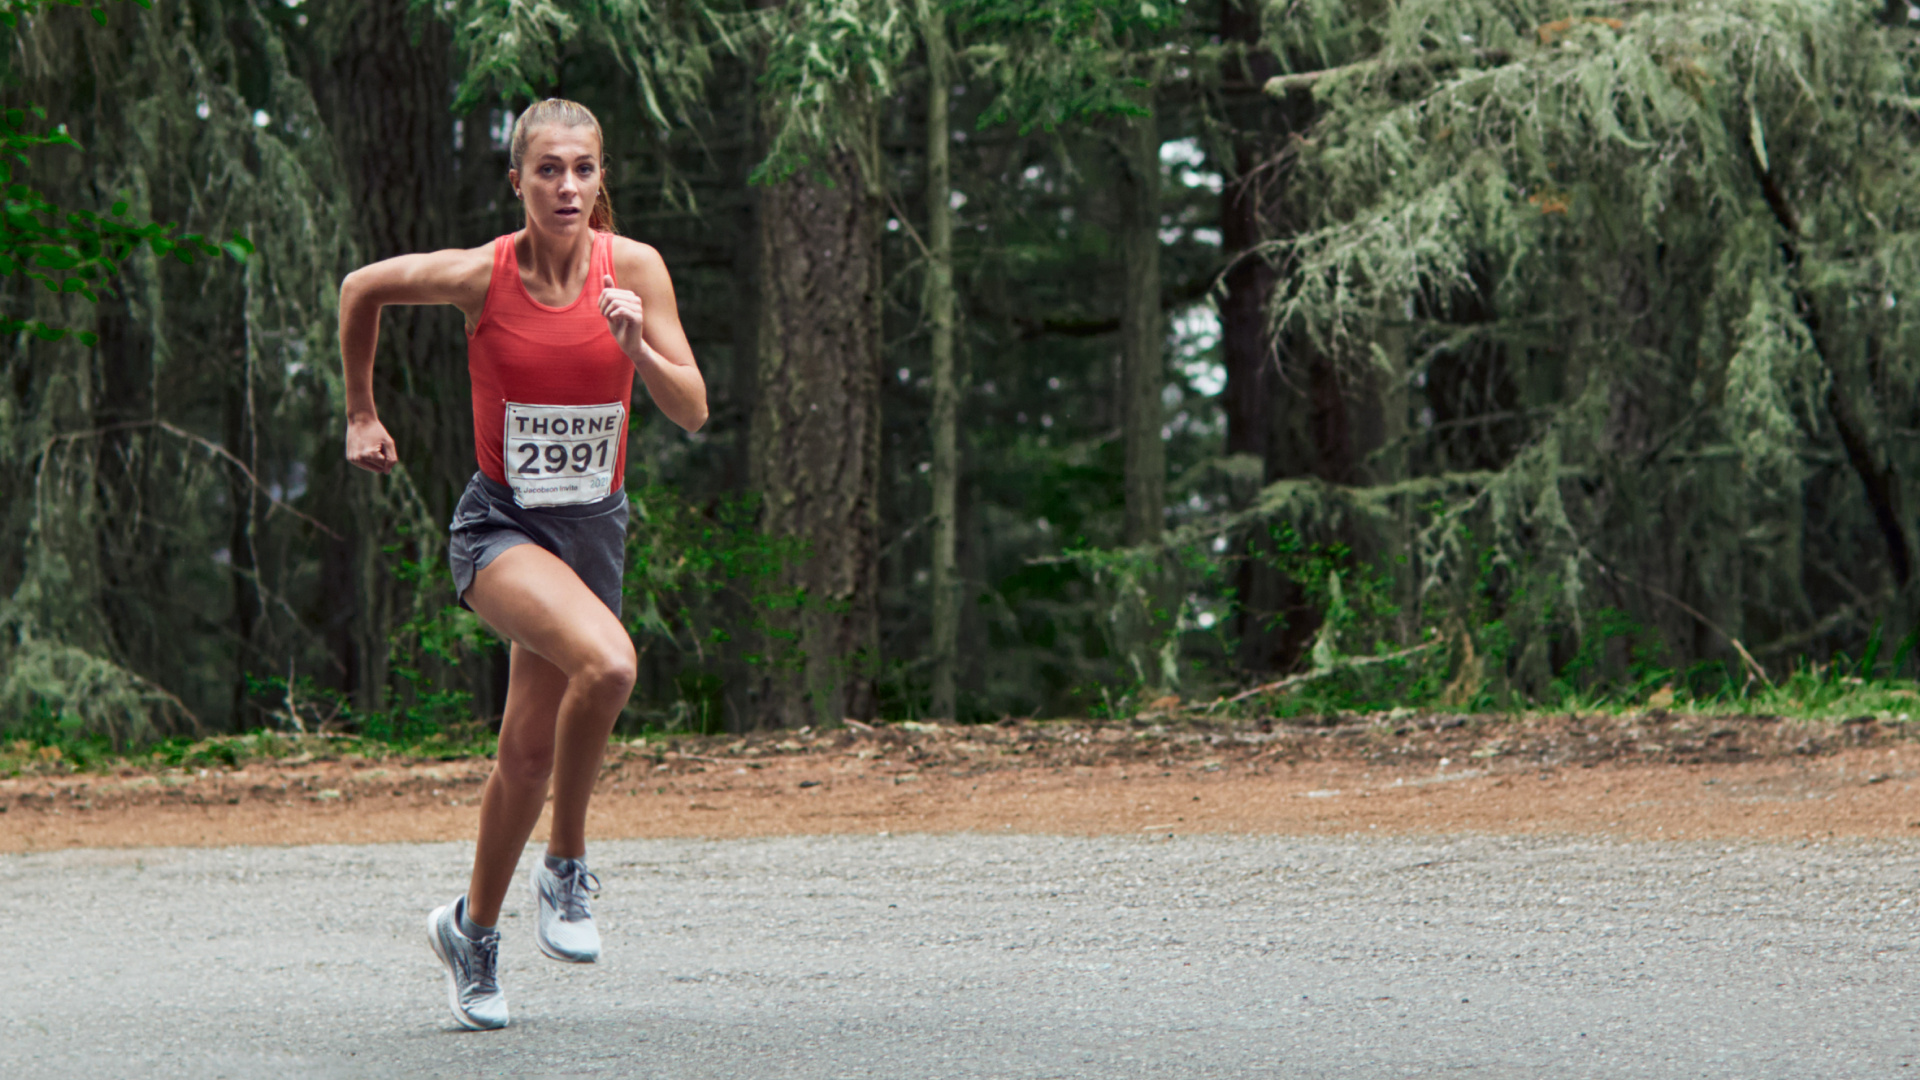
{"points": [[610, 672], [524, 766]]}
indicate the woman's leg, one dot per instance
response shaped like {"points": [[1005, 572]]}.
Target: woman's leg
{"points": [[511, 803], [572, 672]]}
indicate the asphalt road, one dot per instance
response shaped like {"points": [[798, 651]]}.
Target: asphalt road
{"points": [[987, 956]]}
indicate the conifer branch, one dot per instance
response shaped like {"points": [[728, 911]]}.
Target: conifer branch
{"points": [[1279, 85], [204, 443], [1881, 483]]}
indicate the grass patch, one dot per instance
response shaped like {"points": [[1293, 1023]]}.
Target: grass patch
{"points": [[61, 756]]}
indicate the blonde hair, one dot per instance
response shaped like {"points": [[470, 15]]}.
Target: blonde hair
{"points": [[564, 113]]}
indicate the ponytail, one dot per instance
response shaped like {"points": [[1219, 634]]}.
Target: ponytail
{"points": [[566, 114], [601, 216]]}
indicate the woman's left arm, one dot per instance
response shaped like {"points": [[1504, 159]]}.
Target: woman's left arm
{"points": [[645, 320]]}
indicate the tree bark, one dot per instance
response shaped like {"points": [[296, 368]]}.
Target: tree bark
{"points": [[386, 94], [946, 392], [240, 434], [1142, 340], [1246, 341], [816, 436]]}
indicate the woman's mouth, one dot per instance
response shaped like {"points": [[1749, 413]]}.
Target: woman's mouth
{"points": [[567, 211]]}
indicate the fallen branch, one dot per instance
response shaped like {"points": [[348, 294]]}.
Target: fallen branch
{"points": [[1753, 666], [1799, 640], [1308, 676]]}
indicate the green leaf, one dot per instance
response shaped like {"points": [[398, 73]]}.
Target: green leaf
{"points": [[99, 15], [120, 208]]}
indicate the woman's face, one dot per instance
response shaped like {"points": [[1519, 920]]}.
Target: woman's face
{"points": [[559, 178]]}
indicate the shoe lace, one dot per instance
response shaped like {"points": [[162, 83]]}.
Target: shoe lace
{"points": [[577, 886], [483, 964]]}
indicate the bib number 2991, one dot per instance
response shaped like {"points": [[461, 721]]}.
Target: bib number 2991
{"points": [[558, 455]]}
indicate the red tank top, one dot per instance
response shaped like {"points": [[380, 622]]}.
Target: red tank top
{"points": [[523, 351]]}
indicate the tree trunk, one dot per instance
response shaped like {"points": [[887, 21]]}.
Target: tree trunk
{"points": [[816, 435], [1142, 339], [1246, 342], [240, 435], [946, 392], [386, 94]]}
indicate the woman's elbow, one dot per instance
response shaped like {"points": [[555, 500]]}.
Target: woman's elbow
{"points": [[695, 418], [355, 290]]}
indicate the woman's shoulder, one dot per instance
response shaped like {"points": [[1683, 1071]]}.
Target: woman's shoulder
{"points": [[635, 261], [472, 268]]}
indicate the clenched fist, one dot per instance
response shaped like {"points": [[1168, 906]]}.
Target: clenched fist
{"points": [[625, 315], [370, 447]]}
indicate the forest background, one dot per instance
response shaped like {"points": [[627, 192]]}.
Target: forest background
{"points": [[1066, 357]]}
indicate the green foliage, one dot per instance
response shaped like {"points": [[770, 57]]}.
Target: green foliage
{"points": [[12, 10], [71, 251], [86, 696], [1596, 672], [700, 584], [428, 712], [44, 735], [1059, 62], [828, 63], [513, 46], [424, 715], [1591, 327], [56, 657], [1634, 237], [1352, 602], [1141, 614]]}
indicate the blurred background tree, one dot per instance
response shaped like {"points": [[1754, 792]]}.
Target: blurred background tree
{"points": [[1065, 355]]}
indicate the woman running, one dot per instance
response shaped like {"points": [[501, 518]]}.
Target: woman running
{"points": [[559, 318]]}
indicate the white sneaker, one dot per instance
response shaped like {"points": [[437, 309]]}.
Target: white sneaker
{"points": [[473, 969], [565, 929]]}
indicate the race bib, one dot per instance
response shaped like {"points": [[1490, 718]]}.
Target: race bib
{"points": [[558, 455]]}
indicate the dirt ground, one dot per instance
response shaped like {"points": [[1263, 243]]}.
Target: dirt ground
{"points": [[1647, 776]]}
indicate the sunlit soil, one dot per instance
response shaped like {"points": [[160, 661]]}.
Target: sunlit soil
{"points": [[1655, 776]]}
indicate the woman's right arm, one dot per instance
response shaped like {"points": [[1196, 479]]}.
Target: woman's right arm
{"points": [[457, 277]]}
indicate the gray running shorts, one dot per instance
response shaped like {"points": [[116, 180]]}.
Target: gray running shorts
{"points": [[589, 537]]}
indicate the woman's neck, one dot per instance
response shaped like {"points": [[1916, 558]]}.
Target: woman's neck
{"points": [[552, 260]]}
